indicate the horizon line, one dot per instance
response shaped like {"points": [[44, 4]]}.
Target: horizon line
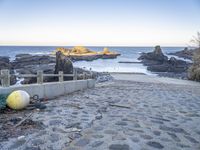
{"points": [[96, 45]]}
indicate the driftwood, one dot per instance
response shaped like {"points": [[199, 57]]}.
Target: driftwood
{"points": [[117, 105], [19, 123]]}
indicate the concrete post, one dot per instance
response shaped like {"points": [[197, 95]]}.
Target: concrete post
{"points": [[39, 77], [5, 80], [84, 75], [91, 74], [60, 76], [75, 74]]}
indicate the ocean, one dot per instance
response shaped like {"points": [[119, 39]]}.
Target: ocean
{"points": [[103, 65]]}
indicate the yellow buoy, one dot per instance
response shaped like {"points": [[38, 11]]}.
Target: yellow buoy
{"points": [[18, 100]]}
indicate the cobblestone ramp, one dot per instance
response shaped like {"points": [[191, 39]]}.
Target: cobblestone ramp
{"points": [[119, 115]]}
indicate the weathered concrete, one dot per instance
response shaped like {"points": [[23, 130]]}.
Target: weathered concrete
{"points": [[51, 90], [152, 79]]}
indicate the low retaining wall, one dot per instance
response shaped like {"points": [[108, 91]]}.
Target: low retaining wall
{"points": [[51, 90]]}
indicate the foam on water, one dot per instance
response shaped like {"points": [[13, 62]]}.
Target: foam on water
{"points": [[104, 65]]}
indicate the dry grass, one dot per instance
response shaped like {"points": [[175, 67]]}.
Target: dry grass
{"points": [[194, 70]]}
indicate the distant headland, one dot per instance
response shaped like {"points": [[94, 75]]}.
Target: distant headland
{"points": [[83, 53]]}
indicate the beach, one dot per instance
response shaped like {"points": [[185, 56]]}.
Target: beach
{"points": [[132, 111]]}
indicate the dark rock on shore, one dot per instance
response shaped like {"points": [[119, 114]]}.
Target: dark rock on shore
{"points": [[64, 64], [157, 62], [186, 53], [5, 64], [30, 64], [23, 60], [155, 57], [86, 58]]}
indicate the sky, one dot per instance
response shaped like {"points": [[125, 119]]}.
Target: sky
{"points": [[99, 22]]}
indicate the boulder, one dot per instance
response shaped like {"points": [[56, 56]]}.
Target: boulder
{"points": [[155, 57], [63, 63]]}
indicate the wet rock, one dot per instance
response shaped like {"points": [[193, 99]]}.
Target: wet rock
{"points": [[119, 147], [155, 145]]}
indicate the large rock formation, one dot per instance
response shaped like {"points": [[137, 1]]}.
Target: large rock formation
{"points": [[64, 64], [156, 61], [82, 53], [186, 53], [155, 57], [23, 60], [4, 63]]}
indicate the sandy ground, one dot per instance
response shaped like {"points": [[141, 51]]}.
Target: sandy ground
{"points": [[132, 112]]}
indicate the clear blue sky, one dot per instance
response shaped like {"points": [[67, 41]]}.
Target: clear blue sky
{"points": [[99, 22]]}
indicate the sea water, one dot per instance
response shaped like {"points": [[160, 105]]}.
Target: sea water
{"points": [[130, 54]]}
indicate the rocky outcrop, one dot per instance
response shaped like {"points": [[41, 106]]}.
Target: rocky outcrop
{"points": [[155, 57], [78, 53], [157, 62], [64, 64], [23, 60], [5, 64], [186, 53]]}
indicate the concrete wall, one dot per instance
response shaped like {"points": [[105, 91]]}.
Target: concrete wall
{"points": [[51, 90]]}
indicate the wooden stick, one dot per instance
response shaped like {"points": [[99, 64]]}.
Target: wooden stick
{"points": [[74, 105], [19, 123], [117, 105]]}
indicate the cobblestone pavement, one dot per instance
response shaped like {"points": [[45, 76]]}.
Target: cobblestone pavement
{"points": [[119, 115]]}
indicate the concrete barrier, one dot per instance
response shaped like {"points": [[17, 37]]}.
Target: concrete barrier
{"points": [[51, 90]]}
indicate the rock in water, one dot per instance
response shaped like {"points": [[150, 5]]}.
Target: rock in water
{"points": [[64, 64], [157, 62], [157, 56]]}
